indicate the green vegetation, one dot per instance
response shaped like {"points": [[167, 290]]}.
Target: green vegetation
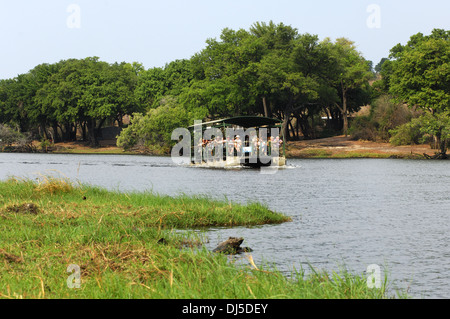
{"points": [[116, 240], [418, 74], [383, 120], [270, 70], [10, 136], [154, 130], [315, 153], [54, 101], [321, 153]]}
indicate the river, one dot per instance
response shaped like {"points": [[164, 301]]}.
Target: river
{"points": [[348, 213]]}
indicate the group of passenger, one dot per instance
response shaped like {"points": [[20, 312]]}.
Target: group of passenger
{"points": [[237, 146]]}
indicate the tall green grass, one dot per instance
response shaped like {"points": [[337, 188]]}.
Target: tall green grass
{"points": [[115, 239]]}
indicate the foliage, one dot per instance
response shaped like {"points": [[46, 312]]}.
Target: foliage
{"points": [[116, 240], [270, 69], [379, 66], [407, 134], [418, 74], [54, 100], [385, 116], [10, 137], [363, 128], [154, 129]]}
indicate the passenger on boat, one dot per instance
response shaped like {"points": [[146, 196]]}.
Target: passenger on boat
{"points": [[238, 144]]}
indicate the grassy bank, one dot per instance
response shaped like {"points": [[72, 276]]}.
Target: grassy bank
{"points": [[333, 154], [115, 239]]}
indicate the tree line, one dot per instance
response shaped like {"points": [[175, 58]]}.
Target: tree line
{"points": [[269, 70], [52, 101]]}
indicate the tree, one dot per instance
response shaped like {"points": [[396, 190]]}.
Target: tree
{"points": [[86, 93], [419, 75], [154, 129], [224, 74], [352, 74], [379, 66]]}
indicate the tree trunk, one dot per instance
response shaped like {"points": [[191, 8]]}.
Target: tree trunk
{"points": [[442, 146], [44, 131], [55, 133], [313, 131], [266, 110], [120, 120], [92, 133], [304, 126], [344, 112], [67, 132], [83, 131], [285, 126], [444, 149]]}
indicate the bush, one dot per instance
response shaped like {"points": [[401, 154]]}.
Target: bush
{"points": [[363, 128], [384, 120], [389, 116], [154, 129], [9, 136], [12, 139], [406, 134]]}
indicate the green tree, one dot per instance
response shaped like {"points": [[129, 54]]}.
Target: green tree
{"points": [[154, 129], [224, 75], [351, 77], [86, 93], [379, 66], [419, 75]]}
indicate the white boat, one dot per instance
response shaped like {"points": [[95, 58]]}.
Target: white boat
{"points": [[249, 141]]}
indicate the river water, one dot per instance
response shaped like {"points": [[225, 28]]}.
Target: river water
{"points": [[348, 213]]}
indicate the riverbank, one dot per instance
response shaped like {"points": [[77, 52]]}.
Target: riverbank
{"points": [[129, 245], [332, 147], [345, 147]]}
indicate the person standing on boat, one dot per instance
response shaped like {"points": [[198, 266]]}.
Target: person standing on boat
{"points": [[263, 147], [238, 144]]}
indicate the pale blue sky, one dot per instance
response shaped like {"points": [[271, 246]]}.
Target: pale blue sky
{"points": [[157, 32]]}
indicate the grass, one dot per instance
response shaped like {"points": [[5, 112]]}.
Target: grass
{"points": [[362, 154], [101, 151], [115, 239], [326, 154]]}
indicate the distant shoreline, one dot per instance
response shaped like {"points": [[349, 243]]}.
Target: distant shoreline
{"points": [[338, 147]]}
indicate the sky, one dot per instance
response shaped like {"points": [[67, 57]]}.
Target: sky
{"points": [[154, 33]]}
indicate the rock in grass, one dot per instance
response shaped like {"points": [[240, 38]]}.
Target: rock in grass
{"points": [[27, 208], [232, 246], [10, 257], [162, 241]]}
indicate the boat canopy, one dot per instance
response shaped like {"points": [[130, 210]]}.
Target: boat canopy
{"points": [[244, 121]]}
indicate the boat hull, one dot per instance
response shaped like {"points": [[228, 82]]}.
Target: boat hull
{"points": [[243, 162]]}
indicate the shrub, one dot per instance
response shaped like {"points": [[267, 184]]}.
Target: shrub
{"points": [[363, 128], [406, 134], [154, 129], [9, 136], [388, 116], [382, 123], [13, 139]]}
